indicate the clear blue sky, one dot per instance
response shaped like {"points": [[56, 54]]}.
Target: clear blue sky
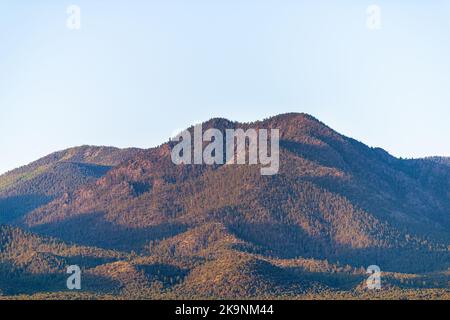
{"points": [[139, 70]]}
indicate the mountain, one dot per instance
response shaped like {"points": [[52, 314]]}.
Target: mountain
{"points": [[335, 207], [30, 263], [31, 186], [440, 160]]}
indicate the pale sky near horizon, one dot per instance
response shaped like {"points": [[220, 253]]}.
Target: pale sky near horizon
{"points": [[137, 71]]}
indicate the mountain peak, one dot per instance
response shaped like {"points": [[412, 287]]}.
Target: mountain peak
{"points": [[219, 123], [284, 121]]}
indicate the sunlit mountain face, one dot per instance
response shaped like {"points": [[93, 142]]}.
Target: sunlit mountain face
{"points": [[140, 226]]}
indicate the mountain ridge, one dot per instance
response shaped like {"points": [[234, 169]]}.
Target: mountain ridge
{"points": [[336, 204], [299, 137], [55, 174]]}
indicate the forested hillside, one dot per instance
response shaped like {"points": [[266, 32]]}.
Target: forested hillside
{"points": [[169, 231], [34, 185]]}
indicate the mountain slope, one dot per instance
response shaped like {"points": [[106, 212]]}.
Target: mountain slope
{"points": [[141, 227], [31, 186], [333, 198], [30, 263]]}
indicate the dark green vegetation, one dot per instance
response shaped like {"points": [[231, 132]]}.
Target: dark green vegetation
{"points": [[141, 227]]}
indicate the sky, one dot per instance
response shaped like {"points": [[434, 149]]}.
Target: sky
{"points": [[138, 71]]}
